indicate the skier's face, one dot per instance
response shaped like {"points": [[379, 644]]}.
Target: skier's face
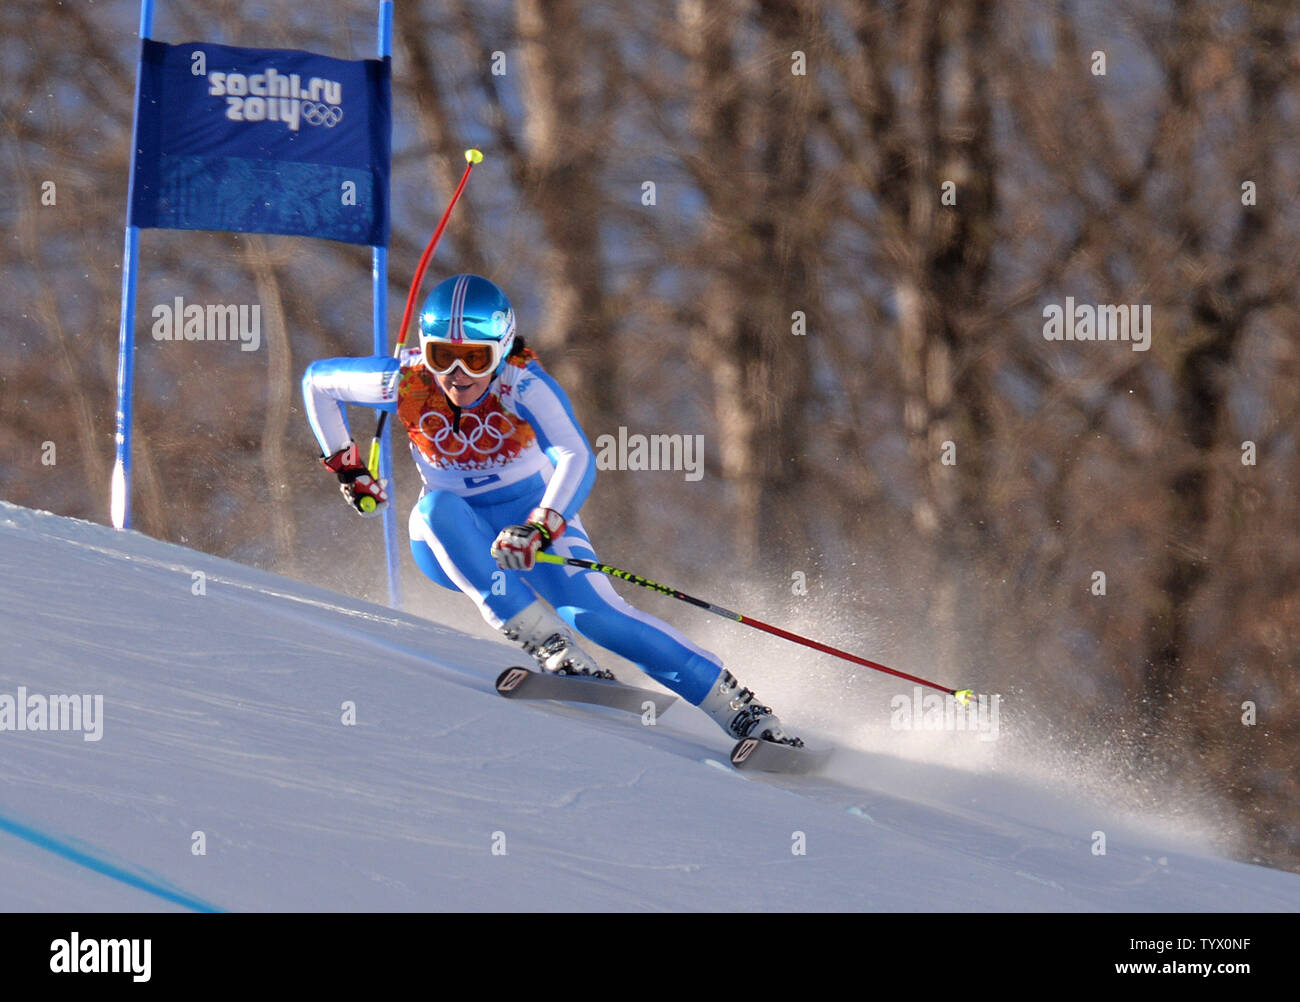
{"points": [[461, 388]]}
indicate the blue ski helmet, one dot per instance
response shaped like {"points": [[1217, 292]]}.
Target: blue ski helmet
{"points": [[467, 308]]}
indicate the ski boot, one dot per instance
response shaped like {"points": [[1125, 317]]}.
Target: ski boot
{"points": [[736, 712], [545, 636]]}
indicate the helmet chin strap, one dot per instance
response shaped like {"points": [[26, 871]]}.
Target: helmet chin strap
{"points": [[486, 390]]}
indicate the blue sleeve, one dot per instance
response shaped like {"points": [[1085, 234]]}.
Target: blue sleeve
{"points": [[545, 406], [330, 383]]}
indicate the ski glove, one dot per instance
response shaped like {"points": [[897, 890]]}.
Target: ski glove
{"points": [[364, 493], [516, 546]]}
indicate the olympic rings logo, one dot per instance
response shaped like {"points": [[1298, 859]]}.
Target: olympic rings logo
{"points": [[475, 431], [321, 114]]}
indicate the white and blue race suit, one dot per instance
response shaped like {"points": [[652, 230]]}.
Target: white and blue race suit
{"points": [[485, 467]]}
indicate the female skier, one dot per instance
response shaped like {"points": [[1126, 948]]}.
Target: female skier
{"points": [[505, 468]]}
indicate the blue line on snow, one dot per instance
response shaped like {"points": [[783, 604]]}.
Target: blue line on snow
{"points": [[67, 851]]}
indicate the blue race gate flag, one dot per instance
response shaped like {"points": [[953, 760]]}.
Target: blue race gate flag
{"points": [[262, 141]]}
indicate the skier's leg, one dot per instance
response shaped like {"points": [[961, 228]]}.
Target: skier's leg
{"points": [[450, 542], [425, 559], [587, 601]]}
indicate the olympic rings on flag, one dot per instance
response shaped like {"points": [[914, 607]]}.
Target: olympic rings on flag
{"points": [[321, 114]]}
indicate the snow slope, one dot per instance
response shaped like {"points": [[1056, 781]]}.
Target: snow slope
{"points": [[223, 715]]}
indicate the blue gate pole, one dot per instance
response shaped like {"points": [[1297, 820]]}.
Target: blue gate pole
{"points": [[120, 492], [379, 280]]}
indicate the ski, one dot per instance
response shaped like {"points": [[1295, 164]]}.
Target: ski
{"points": [[758, 755], [750, 754], [524, 683]]}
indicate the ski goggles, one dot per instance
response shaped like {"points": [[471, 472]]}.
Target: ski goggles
{"points": [[477, 358]]}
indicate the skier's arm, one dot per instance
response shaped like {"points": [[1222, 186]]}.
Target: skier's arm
{"points": [[330, 383], [545, 406]]}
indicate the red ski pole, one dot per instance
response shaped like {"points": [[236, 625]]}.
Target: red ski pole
{"points": [[472, 157], [961, 695]]}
